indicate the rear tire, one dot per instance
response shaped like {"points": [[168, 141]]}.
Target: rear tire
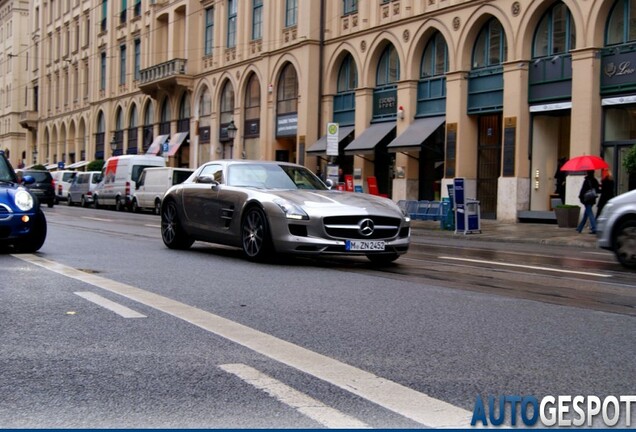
{"points": [[172, 232], [83, 202], [118, 204], [625, 244], [36, 237], [135, 206], [255, 235], [157, 209], [69, 201], [96, 203]]}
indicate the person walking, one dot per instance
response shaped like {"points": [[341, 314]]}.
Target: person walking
{"points": [[588, 199], [607, 190]]}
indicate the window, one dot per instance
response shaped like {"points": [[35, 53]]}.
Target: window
{"points": [[350, 6], [122, 65], [348, 75], [257, 20], [287, 97], [555, 33], [435, 58], [137, 59], [231, 23], [388, 67], [102, 72], [490, 48], [122, 14], [209, 31], [137, 10], [227, 108], [104, 15], [291, 13], [252, 107], [621, 25]]}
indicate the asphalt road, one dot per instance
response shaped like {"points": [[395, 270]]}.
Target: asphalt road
{"points": [[224, 343]]}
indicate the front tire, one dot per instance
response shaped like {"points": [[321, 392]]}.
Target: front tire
{"points": [[255, 235], [69, 201], [172, 232], [36, 237], [96, 203], [135, 206], [625, 244], [119, 206]]}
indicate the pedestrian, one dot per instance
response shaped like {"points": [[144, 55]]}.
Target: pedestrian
{"points": [[607, 190], [588, 199]]}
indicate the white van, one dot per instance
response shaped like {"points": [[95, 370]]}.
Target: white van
{"points": [[119, 177], [153, 184], [63, 180], [82, 188]]}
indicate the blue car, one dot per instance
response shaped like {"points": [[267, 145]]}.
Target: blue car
{"points": [[22, 221]]}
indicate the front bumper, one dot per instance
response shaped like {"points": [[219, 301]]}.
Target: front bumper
{"points": [[12, 225]]}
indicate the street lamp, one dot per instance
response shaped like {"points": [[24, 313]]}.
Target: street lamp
{"points": [[231, 134], [113, 145]]}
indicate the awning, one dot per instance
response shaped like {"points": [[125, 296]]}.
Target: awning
{"points": [[414, 135], [78, 164], [176, 141], [368, 139], [320, 146], [155, 147]]}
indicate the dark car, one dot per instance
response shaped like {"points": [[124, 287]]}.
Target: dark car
{"points": [[43, 186], [22, 222]]}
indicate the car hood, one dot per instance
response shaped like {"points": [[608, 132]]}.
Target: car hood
{"points": [[625, 198], [7, 192], [325, 202]]}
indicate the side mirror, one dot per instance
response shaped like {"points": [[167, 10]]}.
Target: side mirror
{"points": [[28, 179], [329, 183]]}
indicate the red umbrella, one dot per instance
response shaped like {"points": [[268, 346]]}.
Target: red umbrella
{"points": [[584, 163]]}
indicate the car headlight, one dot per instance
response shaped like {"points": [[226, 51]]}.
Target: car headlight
{"points": [[292, 211], [23, 200]]}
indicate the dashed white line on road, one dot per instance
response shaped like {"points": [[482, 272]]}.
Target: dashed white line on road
{"points": [[97, 219], [310, 407], [152, 226], [110, 305], [390, 395], [524, 266]]}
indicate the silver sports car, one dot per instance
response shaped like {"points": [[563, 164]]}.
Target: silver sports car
{"points": [[276, 207]]}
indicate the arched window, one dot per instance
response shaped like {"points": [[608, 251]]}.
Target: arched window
{"points": [[164, 126], [227, 109], [148, 134], [435, 58], [205, 108], [252, 107], [555, 33], [183, 124], [100, 136], [118, 136], [132, 131], [621, 25], [287, 100], [348, 75], [388, 68], [491, 48]]}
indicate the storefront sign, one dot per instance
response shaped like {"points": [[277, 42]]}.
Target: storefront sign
{"points": [[618, 71], [287, 125]]}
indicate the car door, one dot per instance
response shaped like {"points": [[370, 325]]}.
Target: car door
{"points": [[200, 200]]}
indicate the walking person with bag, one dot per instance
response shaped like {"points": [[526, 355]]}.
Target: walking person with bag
{"points": [[607, 190], [589, 191]]}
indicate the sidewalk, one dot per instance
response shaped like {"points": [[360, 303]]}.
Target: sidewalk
{"points": [[491, 230]]}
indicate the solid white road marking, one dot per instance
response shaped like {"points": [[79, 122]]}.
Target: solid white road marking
{"points": [[110, 305], [97, 219], [524, 266], [395, 397], [310, 407], [152, 226]]}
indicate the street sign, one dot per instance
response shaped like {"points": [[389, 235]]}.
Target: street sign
{"points": [[60, 165], [332, 139]]}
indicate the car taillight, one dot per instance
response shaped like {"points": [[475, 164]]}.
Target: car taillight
{"points": [[53, 183], [127, 188], [89, 193]]}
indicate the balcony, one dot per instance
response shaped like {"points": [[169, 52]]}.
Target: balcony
{"points": [[166, 76], [29, 120]]}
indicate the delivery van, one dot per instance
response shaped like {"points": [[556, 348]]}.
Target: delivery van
{"points": [[153, 184], [63, 180], [119, 178], [81, 190]]}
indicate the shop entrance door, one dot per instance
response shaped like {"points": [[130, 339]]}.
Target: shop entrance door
{"points": [[488, 164]]}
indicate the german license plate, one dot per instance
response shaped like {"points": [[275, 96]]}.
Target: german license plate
{"points": [[363, 245]]}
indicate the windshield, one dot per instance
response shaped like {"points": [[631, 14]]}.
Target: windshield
{"points": [[6, 170], [271, 176]]}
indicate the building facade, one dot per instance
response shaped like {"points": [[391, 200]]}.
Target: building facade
{"points": [[493, 91]]}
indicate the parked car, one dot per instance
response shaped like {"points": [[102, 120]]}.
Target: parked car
{"points": [[82, 188], [119, 177], [277, 207], [43, 186], [153, 184], [63, 180], [616, 228], [22, 221]]}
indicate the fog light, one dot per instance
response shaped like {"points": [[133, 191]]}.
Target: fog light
{"points": [[25, 218]]}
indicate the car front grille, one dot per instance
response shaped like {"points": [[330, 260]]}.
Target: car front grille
{"points": [[349, 227]]}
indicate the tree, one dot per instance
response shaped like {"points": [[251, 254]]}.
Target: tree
{"points": [[629, 161], [95, 165]]}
